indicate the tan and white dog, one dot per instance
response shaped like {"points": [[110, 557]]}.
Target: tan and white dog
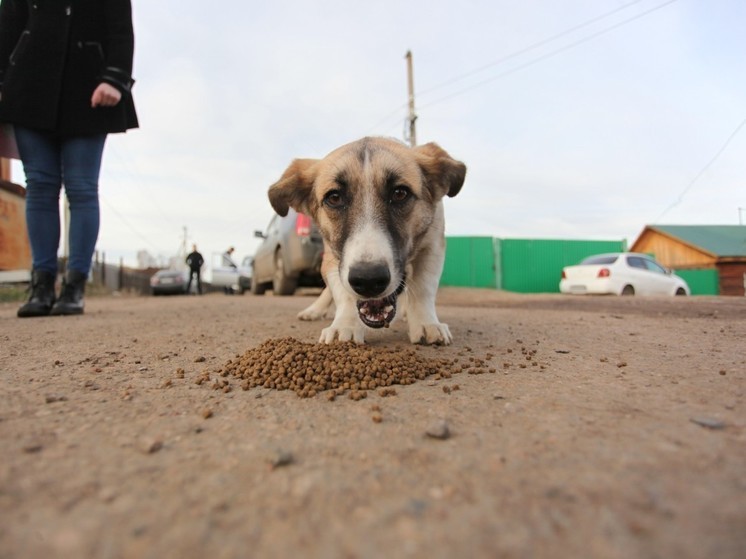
{"points": [[378, 205]]}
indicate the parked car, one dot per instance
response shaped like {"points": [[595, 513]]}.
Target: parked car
{"points": [[621, 273], [289, 257], [169, 282], [231, 279], [245, 272]]}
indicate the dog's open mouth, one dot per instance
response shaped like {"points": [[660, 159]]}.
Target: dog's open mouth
{"points": [[377, 313]]}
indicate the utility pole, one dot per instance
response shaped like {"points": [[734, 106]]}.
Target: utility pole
{"points": [[182, 250], [412, 116]]}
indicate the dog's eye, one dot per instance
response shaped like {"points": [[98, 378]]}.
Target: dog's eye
{"points": [[399, 194], [334, 199]]}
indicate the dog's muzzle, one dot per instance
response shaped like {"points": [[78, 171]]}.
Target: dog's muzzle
{"points": [[377, 313], [367, 281]]}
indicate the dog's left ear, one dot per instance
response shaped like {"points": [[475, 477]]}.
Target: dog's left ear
{"points": [[445, 175], [293, 190]]}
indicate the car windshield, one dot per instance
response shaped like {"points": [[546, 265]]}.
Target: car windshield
{"points": [[602, 259]]}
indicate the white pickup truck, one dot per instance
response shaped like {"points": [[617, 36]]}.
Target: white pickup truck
{"points": [[232, 280]]}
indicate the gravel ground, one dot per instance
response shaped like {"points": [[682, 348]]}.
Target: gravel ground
{"points": [[577, 427]]}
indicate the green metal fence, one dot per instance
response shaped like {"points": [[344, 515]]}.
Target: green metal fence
{"points": [[470, 262], [535, 265], [521, 265], [704, 281]]}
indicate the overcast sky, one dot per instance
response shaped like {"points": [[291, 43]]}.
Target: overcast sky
{"points": [[576, 118]]}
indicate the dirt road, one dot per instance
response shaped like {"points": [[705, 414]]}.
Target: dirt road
{"points": [[610, 427]]}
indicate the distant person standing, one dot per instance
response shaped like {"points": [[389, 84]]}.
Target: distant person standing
{"points": [[228, 258], [195, 261], [65, 83], [229, 263]]}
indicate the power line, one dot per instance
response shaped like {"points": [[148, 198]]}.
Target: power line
{"points": [[528, 48], [702, 171], [385, 119], [522, 51], [125, 168], [136, 182], [127, 223], [549, 54]]}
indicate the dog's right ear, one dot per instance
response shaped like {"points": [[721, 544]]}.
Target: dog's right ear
{"points": [[445, 175], [293, 190]]}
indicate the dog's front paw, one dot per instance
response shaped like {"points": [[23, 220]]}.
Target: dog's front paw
{"points": [[311, 313], [343, 334], [431, 334], [318, 309]]}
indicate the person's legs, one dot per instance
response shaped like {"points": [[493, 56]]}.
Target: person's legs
{"points": [[41, 157], [40, 154], [189, 283], [81, 165], [199, 282]]}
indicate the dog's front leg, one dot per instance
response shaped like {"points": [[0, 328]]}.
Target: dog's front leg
{"points": [[318, 309], [346, 325], [424, 326]]}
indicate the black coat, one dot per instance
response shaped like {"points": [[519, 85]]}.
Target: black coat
{"points": [[195, 261], [53, 55]]}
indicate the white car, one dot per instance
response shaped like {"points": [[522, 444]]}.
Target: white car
{"points": [[621, 273], [233, 280]]}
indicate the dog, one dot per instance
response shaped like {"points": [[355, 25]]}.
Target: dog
{"points": [[378, 205]]}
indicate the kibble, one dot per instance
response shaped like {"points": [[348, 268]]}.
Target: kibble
{"points": [[339, 368]]}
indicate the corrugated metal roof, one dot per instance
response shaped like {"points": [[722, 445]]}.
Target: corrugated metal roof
{"points": [[720, 240]]}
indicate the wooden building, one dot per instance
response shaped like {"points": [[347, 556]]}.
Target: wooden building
{"points": [[15, 253], [700, 247]]}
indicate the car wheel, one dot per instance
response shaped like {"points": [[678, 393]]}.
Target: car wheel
{"points": [[281, 283], [257, 288], [680, 291], [628, 290]]}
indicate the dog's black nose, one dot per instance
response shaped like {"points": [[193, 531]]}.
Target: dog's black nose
{"points": [[369, 279]]}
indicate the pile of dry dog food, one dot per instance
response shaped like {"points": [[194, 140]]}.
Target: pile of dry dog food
{"points": [[343, 367]]}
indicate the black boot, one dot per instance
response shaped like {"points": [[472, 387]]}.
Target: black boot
{"points": [[42, 295], [71, 296]]}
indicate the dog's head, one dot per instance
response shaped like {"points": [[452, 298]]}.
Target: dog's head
{"points": [[374, 200]]}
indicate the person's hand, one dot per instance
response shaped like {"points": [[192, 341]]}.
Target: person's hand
{"points": [[105, 95]]}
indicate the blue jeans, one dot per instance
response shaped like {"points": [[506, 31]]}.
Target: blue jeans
{"points": [[49, 163]]}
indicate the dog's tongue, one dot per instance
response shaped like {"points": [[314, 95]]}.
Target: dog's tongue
{"points": [[377, 313]]}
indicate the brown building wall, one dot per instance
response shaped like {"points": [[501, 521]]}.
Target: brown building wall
{"points": [[732, 278], [4, 169], [672, 253], [15, 252]]}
